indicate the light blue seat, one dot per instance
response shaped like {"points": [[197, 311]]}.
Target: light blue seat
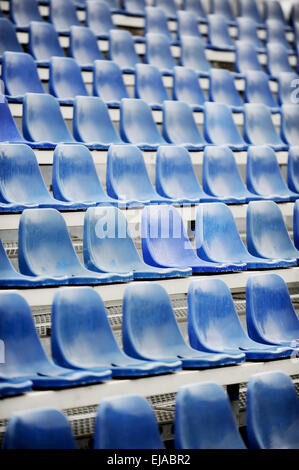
{"points": [[108, 82], [149, 85], [126, 422], [270, 315], [98, 18], [43, 42], [134, 6], [158, 52], [289, 123], [273, 11], [277, 59], [22, 12], [8, 37], [276, 33], [246, 57], [248, 8], [63, 15], [296, 224], [223, 8], [150, 330], [293, 169], [65, 79], [193, 55], [186, 87], [92, 123], [187, 24], [41, 428], [259, 128], [218, 33], [263, 176], [25, 357], [9, 388], [257, 90], [137, 125], [214, 325], [179, 126], [267, 235], [220, 128], [45, 248], [122, 50], [113, 5], [165, 242], [272, 411], [8, 129], [247, 32], [287, 87], [75, 179], [156, 22], [84, 47], [222, 89], [221, 177], [195, 7], [204, 418], [168, 6]]}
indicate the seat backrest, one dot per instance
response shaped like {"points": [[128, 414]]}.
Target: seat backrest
{"points": [[193, 54], [257, 89], [179, 126], [186, 86], [249, 9], [273, 11], [246, 57], [168, 6], [158, 51], [293, 170], [122, 49], [63, 14], [83, 46], [7, 270], [296, 224], [98, 17], [195, 7], [258, 125], [222, 88], [8, 37], [43, 41], [289, 123], [219, 126], [24, 11], [247, 31], [187, 24], [218, 34], [65, 79], [277, 59], [149, 84], [134, 6], [19, 74], [222, 7], [8, 129], [156, 22], [288, 88], [276, 33], [108, 82]]}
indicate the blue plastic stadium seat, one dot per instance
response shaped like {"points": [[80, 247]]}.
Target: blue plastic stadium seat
{"points": [[296, 224], [8, 37], [277, 59], [63, 15], [75, 179], [193, 55], [108, 82], [247, 32], [273, 11], [92, 123], [156, 22], [220, 128], [43, 42], [127, 178], [134, 6], [114, 248], [246, 57], [204, 418], [289, 123], [137, 125], [259, 128], [196, 8], [270, 315], [150, 330], [263, 176], [168, 6], [149, 85], [126, 422], [222, 89], [287, 87], [22, 12], [248, 8], [113, 5], [187, 24], [165, 242], [122, 50], [179, 126], [272, 412], [276, 34], [25, 356], [218, 34], [223, 8], [8, 129], [257, 90], [294, 15], [158, 52], [293, 169], [10, 388], [98, 18], [84, 47], [176, 178], [267, 235], [45, 248], [186, 87], [42, 428], [221, 177], [65, 79]]}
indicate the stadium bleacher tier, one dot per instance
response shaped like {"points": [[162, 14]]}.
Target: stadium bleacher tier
{"points": [[149, 204]]}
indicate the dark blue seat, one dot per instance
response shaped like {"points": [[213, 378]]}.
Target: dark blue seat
{"points": [[84, 47], [8, 129], [267, 235], [98, 18], [43, 42], [122, 50], [22, 12], [149, 85], [9, 388], [248, 8], [165, 242], [247, 32], [195, 7], [137, 125], [293, 169], [150, 330], [272, 411], [158, 52], [186, 88], [126, 422], [263, 176], [223, 90], [108, 82], [25, 356], [92, 123], [8, 37], [259, 128], [294, 15], [63, 15], [45, 248], [257, 90], [168, 6], [179, 126], [273, 11], [296, 224], [156, 22], [65, 79], [218, 34], [223, 8], [287, 83], [204, 418], [289, 123], [134, 6], [75, 179], [187, 24], [193, 55], [276, 33], [220, 128], [270, 315], [42, 428], [246, 57], [277, 59]]}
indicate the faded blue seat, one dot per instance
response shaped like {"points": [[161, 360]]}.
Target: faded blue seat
{"points": [[193, 55], [176, 178], [276, 33], [8, 129], [9, 388], [63, 15], [150, 330], [247, 32], [105, 250], [122, 50], [134, 6], [98, 18], [43, 42], [84, 47], [263, 176], [92, 123], [289, 123], [220, 128], [296, 224], [221, 177], [187, 24], [42, 428], [287, 83], [218, 33], [113, 5], [108, 82], [277, 59], [126, 422], [204, 418], [156, 22], [179, 126], [259, 128], [195, 7], [65, 79], [158, 52], [137, 125], [293, 169], [273, 11], [272, 411], [223, 8], [8, 37], [165, 242], [127, 178], [267, 235], [22, 12], [248, 8], [75, 179], [214, 325], [45, 248], [222, 89], [149, 85], [168, 6], [257, 90], [25, 356], [186, 87], [246, 57], [270, 315]]}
